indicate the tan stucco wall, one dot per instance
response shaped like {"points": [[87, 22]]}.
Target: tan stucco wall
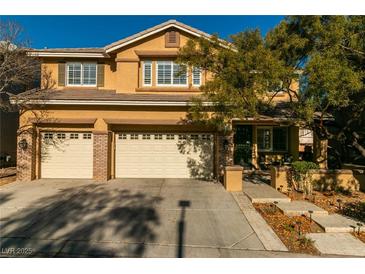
{"points": [[233, 178], [322, 179], [122, 71], [279, 178], [342, 179], [55, 113]]}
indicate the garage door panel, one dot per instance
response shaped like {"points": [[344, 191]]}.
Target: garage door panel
{"points": [[169, 157], [67, 157]]}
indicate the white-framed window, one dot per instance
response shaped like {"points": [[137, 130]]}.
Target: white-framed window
{"points": [[264, 138], [146, 136], [158, 136], [171, 74], [81, 74], [147, 73], [196, 76], [272, 138]]}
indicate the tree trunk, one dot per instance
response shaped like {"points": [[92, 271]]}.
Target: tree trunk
{"points": [[320, 146]]}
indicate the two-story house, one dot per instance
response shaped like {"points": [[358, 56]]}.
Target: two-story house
{"points": [[118, 112]]}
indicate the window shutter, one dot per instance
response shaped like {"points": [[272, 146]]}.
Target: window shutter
{"points": [[100, 76], [61, 74]]}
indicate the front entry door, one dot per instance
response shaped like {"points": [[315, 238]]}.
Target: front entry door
{"points": [[243, 146]]}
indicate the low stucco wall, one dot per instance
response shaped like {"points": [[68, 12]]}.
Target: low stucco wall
{"points": [[338, 179], [359, 174], [323, 179]]}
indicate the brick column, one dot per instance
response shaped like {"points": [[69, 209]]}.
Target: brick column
{"points": [[101, 158], [26, 155], [224, 153]]}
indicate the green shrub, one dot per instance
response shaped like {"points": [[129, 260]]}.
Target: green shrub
{"points": [[302, 167], [301, 179]]}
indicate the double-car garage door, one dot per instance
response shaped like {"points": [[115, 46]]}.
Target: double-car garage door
{"points": [[163, 155], [137, 155]]}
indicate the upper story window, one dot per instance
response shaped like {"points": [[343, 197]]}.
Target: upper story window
{"points": [[171, 74], [81, 74], [196, 76], [147, 73]]}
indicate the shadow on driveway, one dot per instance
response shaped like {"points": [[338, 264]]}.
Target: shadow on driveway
{"points": [[86, 214]]}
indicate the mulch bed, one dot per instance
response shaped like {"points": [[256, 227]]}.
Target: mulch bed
{"points": [[348, 204], [287, 229]]}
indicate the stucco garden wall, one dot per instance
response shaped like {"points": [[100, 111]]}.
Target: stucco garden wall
{"points": [[323, 179]]}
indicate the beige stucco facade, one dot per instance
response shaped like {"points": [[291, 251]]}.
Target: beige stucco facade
{"points": [[123, 68], [122, 75]]}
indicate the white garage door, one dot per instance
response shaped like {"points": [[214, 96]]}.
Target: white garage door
{"points": [[67, 155], [164, 155]]}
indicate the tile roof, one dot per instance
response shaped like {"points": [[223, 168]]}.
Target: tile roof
{"points": [[102, 95]]}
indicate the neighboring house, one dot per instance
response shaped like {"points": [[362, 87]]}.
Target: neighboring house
{"points": [[119, 112], [305, 139]]}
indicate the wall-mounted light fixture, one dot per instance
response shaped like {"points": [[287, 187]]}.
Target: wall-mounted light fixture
{"points": [[23, 144]]}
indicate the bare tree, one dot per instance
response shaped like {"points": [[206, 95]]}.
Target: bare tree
{"points": [[18, 71]]}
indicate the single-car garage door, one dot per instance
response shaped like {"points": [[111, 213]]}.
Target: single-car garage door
{"points": [[164, 155], [67, 155]]}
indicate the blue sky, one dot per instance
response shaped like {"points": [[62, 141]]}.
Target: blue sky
{"points": [[98, 31]]}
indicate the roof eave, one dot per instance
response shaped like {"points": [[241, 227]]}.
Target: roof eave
{"points": [[67, 54], [103, 102], [117, 45]]}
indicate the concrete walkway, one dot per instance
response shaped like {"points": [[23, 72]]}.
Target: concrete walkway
{"points": [[338, 223], [265, 233], [298, 208], [262, 193], [338, 244], [341, 244]]}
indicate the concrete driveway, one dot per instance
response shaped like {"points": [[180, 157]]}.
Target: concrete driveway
{"points": [[124, 218]]}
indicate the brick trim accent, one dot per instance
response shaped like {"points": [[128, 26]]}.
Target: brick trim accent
{"points": [[225, 148], [26, 158], [102, 155]]}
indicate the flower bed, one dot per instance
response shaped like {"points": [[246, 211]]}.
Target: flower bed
{"points": [[290, 230]]}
